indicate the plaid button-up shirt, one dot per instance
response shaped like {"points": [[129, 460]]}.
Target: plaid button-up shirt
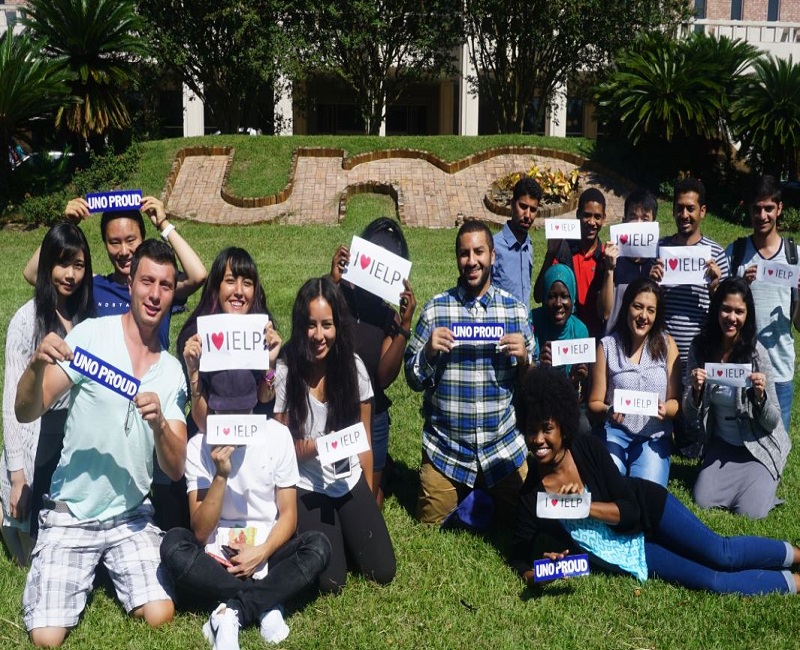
{"points": [[469, 418]]}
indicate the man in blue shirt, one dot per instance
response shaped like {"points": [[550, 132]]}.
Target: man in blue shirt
{"points": [[513, 249], [470, 436]]}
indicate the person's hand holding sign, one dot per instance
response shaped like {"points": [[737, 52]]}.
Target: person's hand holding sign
{"points": [[51, 350], [408, 303], [191, 356], [514, 346], [750, 273], [77, 210], [441, 340], [150, 409], [247, 559], [341, 258], [221, 455], [272, 342]]}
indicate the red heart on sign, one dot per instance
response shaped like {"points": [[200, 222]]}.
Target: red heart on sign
{"points": [[554, 501], [769, 271], [623, 239], [365, 261], [627, 402], [218, 339], [226, 431], [565, 350], [719, 373], [673, 263], [556, 226], [334, 444]]}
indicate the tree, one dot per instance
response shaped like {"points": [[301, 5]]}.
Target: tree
{"points": [[765, 117], [98, 42], [31, 88], [526, 48], [379, 47], [229, 52]]}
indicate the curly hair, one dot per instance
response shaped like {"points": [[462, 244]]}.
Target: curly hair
{"points": [[549, 394]]}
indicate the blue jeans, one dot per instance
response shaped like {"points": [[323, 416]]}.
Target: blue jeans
{"points": [[201, 581], [685, 551], [642, 457], [379, 435], [785, 390]]}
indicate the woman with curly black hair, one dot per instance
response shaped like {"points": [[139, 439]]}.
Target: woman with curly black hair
{"points": [[746, 445], [634, 526]]}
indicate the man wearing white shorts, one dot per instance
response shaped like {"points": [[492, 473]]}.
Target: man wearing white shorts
{"points": [[98, 510]]}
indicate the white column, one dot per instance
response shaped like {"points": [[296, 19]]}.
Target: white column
{"points": [[556, 121], [194, 121], [284, 108], [468, 102]]}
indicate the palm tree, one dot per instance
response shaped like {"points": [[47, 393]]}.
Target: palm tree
{"points": [[30, 88], [766, 116], [99, 42]]}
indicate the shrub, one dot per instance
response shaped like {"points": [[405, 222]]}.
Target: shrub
{"points": [[107, 170], [557, 186], [44, 210]]}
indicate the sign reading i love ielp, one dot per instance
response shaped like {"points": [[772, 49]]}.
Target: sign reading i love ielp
{"points": [[729, 374], [237, 429], [636, 239], [233, 342], [562, 228], [635, 402], [784, 275], [563, 506], [111, 201], [342, 444], [684, 264], [377, 270], [570, 351]]}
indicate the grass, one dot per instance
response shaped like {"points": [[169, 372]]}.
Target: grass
{"points": [[453, 590]]}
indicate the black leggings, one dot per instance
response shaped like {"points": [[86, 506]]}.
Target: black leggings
{"points": [[355, 528]]}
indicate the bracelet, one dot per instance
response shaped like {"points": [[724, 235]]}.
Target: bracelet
{"points": [[165, 233], [406, 334]]}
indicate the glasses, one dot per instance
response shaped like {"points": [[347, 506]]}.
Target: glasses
{"points": [[129, 417]]}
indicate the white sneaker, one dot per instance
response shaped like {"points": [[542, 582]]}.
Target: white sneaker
{"points": [[273, 627], [221, 630]]}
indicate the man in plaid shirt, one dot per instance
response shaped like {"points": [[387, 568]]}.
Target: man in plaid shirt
{"points": [[470, 345]]}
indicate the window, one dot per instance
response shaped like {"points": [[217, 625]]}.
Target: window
{"points": [[574, 116], [700, 9], [737, 7], [773, 10]]}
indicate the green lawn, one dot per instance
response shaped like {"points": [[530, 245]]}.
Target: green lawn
{"points": [[452, 590]]}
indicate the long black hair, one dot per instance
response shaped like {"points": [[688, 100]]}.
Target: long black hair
{"points": [[61, 245], [241, 265], [708, 343], [656, 345], [341, 376]]}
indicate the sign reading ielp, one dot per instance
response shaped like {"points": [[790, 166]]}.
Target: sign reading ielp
{"points": [[342, 444], [224, 429], [118, 200], [635, 402], [562, 228], [377, 270], [636, 239], [568, 351], [729, 374], [684, 264], [563, 506], [233, 342]]}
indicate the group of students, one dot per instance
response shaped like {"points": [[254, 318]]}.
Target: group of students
{"points": [[657, 338], [248, 528]]}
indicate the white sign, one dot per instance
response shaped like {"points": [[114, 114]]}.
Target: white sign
{"points": [[563, 506], [729, 374], [376, 270], [237, 429], [569, 351], [233, 342], [635, 402], [639, 239], [342, 444], [562, 228], [684, 264], [778, 273]]}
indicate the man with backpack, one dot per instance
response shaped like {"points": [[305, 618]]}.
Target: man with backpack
{"points": [[776, 305]]}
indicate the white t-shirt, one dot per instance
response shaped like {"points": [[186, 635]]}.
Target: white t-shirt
{"points": [[314, 476], [249, 508]]}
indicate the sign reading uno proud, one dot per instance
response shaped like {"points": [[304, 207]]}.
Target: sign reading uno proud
{"points": [[236, 429], [233, 341], [570, 351], [563, 506], [635, 402], [684, 264], [491, 332], [729, 374], [562, 228], [342, 444], [376, 270], [636, 239], [572, 566], [119, 200], [778, 273], [104, 374]]}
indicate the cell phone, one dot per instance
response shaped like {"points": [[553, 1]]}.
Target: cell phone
{"points": [[223, 561], [342, 469], [229, 551]]}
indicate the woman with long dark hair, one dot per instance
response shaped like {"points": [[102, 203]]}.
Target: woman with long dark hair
{"points": [[638, 355], [746, 445], [62, 299], [322, 386]]}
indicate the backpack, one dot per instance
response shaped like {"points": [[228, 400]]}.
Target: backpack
{"points": [[791, 258]]}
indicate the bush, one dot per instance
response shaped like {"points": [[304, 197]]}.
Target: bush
{"points": [[107, 170], [44, 210], [790, 219]]}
